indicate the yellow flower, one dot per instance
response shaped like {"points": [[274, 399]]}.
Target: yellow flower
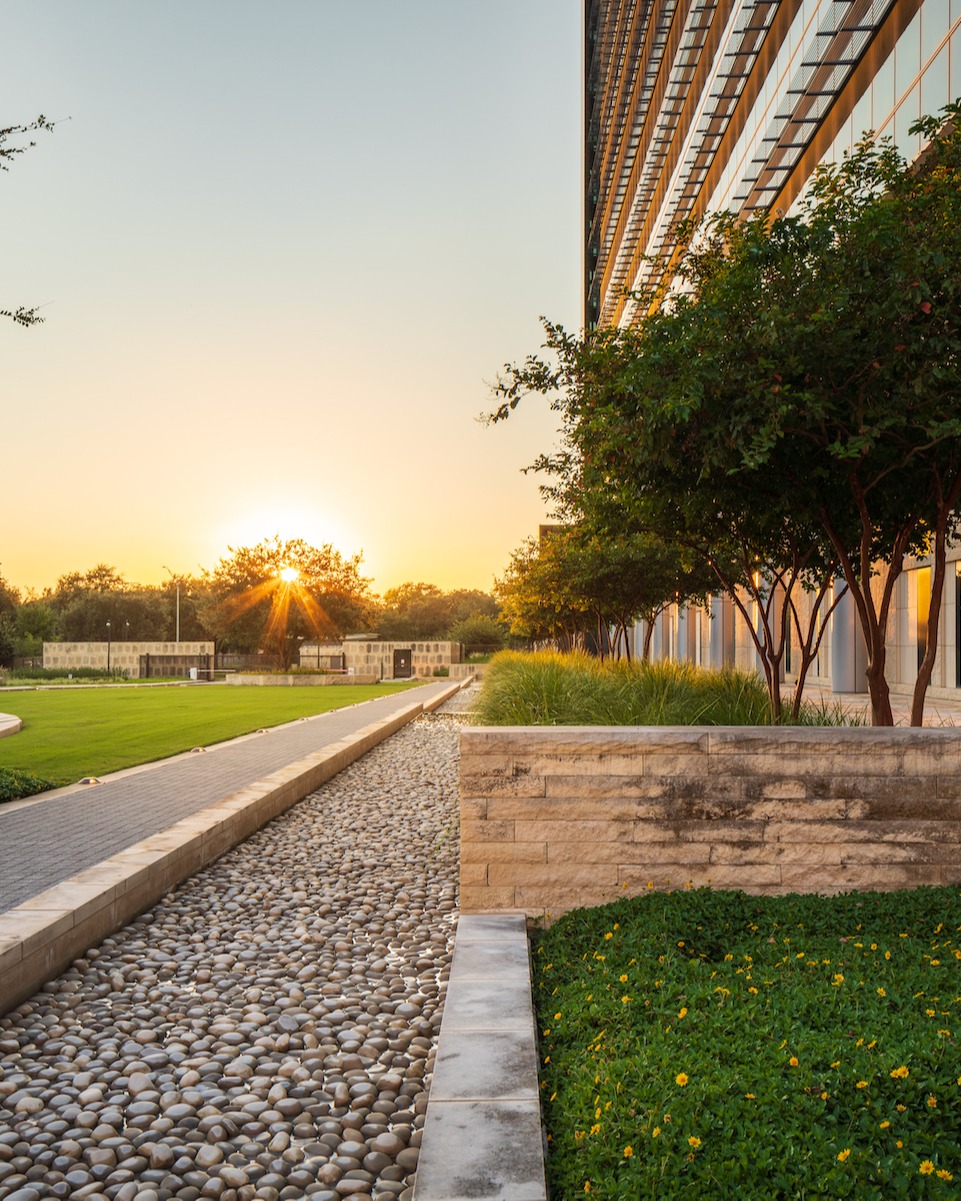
{"points": [[587, 1186], [900, 1108], [655, 1132], [861, 1084], [842, 1155], [932, 1102], [887, 954], [838, 980], [899, 1144], [926, 1167], [557, 1017], [753, 990], [943, 1174], [681, 1078], [625, 1000], [694, 1142], [824, 1096], [885, 1125], [750, 1096], [623, 979], [882, 993], [595, 1129], [793, 1061], [608, 936], [628, 1152], [682, 1012], [900, 1073]]}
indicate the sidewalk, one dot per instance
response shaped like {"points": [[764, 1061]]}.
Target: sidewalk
{"points": [[81, 862]]}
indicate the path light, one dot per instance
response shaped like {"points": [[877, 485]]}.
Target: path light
{"points": [[108, 648]]}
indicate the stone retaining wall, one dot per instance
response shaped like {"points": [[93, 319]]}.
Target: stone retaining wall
{"points": [[557, 817]]}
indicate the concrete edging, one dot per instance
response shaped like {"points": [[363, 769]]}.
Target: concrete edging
{"points": [[9, 725], [483, 1139], [41, 937]]}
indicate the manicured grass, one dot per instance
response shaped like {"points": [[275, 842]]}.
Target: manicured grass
{"points": [[74, 733], [711, 1044], [551, 689]]}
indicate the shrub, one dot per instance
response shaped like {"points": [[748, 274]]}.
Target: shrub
{"points": [[15, 784]]}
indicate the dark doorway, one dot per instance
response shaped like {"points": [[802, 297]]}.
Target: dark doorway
{"points": [[403, 664]]}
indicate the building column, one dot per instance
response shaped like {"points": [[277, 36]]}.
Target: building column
{"points": [[849, 656]]}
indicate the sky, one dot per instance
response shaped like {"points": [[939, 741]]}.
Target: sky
{"points": [[281, 252]]}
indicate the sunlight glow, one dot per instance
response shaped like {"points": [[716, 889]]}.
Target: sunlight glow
{"points": [[288, 574]]}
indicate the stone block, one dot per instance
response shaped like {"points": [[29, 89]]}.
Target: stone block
{"points": [[487, 831], [573, 808], [747, 878], [588, 787], [474, 764], [482, 1151], [502, 786], [869, 878], [574, 831], [488, 1005], [636, 877], [477, 809], [505, 852], [566, 875], [485, 1065], [476, 898], [673, 764], [552, 901], [701, 831], [587, 853], [474, 873], [783, 852]]}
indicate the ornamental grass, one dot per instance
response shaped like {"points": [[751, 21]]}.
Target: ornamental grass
{"points": [[547, 688], [701, 1044]]}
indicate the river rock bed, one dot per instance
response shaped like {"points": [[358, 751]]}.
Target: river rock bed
{"points": [[268, 1030]]}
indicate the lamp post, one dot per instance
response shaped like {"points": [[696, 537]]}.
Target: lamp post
{"points": [[177, 584], [108, 648]]}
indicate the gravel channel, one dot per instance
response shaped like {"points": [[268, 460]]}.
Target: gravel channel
{"points": [[266, 1031]]}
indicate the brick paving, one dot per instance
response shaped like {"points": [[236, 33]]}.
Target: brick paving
{"points": [[44, 843]]}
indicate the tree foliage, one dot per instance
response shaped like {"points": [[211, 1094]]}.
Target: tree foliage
{"points": [[12, 144], [416, 610], [792, 410], [273, 594]]}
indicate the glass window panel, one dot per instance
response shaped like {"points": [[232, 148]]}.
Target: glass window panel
{"points": [[934, 85], [907, 57], [904, 118], [882, 94], [935, 21], [861, 120], [954, 83]]}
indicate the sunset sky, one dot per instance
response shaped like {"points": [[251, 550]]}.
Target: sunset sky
{"points": [[281, 250]]}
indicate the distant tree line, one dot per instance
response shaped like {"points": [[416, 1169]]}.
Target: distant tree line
{"points": [[269, 597]]}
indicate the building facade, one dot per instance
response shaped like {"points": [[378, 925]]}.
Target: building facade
{"points": [[696, 106]]}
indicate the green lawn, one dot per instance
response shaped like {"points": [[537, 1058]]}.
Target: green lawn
{"points": [[81, 732]]}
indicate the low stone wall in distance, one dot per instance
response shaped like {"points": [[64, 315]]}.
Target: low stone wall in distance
{"points": [[271, 680], [553, 818]]}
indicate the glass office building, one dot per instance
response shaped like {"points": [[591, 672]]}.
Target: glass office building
{"points": [[694, 106]]}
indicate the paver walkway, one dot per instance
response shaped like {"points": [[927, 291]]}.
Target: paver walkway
{"points": [[47, 842]]}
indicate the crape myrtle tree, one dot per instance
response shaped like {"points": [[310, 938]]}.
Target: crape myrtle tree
{"points": [[537, 599], [272, 595], [808, 365], [574, 582], [637, 456]]}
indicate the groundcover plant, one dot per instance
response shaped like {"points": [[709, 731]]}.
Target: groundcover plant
{"points": [[700, 1044]]}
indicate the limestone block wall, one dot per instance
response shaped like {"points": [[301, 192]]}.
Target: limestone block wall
{"points": [[124, 656], [553, 818], [377, 658]]}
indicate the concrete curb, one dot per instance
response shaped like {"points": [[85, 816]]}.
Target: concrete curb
{"points": [[9, 725], [41, 937], [482, 1135]]}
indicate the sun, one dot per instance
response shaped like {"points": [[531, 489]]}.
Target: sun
{"points": [[289, 574]]}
